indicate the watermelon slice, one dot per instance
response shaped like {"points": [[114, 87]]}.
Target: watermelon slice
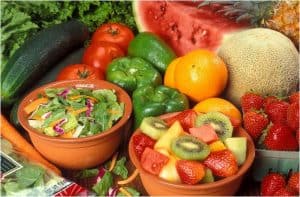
{"points": [[184, 26]]}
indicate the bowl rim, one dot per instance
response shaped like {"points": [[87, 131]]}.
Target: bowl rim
{"points": [[242, 170], [87, 82]]}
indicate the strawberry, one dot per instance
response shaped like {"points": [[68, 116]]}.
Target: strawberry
{"points": [[294, 97], [280, 137], [271, 183], [255, 123], [277, 111], [268, 100], [285, 191], [186, 118], [222, 163], [190, 172], [293, 116], [140, 142], [293, 182], [251, 101]]}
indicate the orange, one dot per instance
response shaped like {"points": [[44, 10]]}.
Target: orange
{"points": [[220, 105], [200, 74], [169, 74]]}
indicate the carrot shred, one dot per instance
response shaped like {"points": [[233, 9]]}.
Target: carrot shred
{"points": [[130, 178], [22, 145], [113, 162], [78, 111], [80, 96], [34, 104], [124, 191], [67, 135]]}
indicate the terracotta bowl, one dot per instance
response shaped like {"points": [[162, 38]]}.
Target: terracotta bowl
{"points": [[227, 186], [78, 153]]}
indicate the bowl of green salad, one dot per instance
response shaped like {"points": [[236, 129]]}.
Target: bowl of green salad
{"points": [[76, 124]]}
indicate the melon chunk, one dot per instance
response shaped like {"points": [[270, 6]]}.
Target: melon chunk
{"points": [[206, 133], [238, 146]]}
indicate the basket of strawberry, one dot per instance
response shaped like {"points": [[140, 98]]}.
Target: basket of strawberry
{"points": [[273, 124]]}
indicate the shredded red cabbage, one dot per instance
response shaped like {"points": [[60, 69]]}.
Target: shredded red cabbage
{"points": [[90, 106], [59, 130], [113, 191], [64, 93], [46, 115]]}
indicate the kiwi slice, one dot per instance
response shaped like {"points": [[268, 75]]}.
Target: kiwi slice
{"points": [[220, 122], [189, 148], [208, 177], [153, 127]]}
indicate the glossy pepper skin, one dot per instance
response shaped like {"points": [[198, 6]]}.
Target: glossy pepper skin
{"points": [[132, 72], [155, 101]]}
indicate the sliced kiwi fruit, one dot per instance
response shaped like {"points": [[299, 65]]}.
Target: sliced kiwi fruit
{"points": [[153, 127], [189, 148], [220, 122], [208, 177]]}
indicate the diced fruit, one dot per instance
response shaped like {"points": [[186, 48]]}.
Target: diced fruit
{"points": [[189, 148], [238, 146], [140, 142], [277, 111], [186, 119], [294, 97], [251, 101], [164, 152], [205, 132], [165, 141], [293, 116], [190, 172], [208, 177], [284, 192], [222, 163], [169, 172], [220, 122], [271, 183], [293, 182], [217, 146], [153, 161], [153, 127], [280, 137], [255, 123]]}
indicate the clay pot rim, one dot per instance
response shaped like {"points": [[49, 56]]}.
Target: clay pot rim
{"points": [[242, 170], [87, 82]]}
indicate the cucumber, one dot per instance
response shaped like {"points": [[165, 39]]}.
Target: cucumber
{"points": [[50, 76], [37, 55]]}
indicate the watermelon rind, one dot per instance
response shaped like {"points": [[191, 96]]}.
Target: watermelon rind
{"points": [[138, 19]]}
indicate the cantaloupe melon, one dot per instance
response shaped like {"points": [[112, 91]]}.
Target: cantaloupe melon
{"points": [[259, 60]]}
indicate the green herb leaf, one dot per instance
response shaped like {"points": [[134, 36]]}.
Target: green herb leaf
{"points": [[120, 168], [101, 188], [87, 173], [28, 175]]}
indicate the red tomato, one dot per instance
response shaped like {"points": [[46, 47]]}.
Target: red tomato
{"points": [[114, 32], [79, 71], [100, 54], [153, 161]]}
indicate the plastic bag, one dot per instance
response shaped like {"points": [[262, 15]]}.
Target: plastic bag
{"points": [[22, 177]]}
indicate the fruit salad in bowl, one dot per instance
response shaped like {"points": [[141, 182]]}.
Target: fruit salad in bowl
{"points": [[190, 153]]}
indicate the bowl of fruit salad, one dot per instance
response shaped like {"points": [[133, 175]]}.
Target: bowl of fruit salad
{"points": [[187, 153], [76, 124]]}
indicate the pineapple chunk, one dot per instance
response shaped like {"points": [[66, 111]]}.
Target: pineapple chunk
{"points": [[169, 171], [216, 146]]}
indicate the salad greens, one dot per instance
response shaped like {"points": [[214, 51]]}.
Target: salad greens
{"points": [[120, 168], [76, 112], [102, 187], [21, 19]]}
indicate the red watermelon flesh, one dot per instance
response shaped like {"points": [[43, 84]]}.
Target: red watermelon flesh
{"points": [[184, 26]]}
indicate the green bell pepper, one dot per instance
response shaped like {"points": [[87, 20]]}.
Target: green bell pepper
{"points": [[132, 72], [155, 101]]}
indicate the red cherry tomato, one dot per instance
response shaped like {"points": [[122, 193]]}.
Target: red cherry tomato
{"points": [[100, 54], [79, 71], [114, 32]]}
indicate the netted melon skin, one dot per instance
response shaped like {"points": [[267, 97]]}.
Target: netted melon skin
{"points": [[260, 60]]}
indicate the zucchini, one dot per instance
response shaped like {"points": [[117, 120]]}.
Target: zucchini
{"points": [[37, 55]]}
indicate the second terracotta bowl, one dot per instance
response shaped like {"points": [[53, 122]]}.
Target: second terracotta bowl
{"points": [[227, 186], [78, 153]]}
